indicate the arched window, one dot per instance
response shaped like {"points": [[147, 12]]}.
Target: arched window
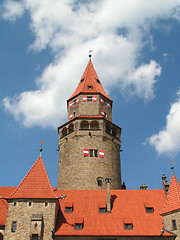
{"points": [[108, 128], [71, 128], [94, 125], [84, 125], [64, 131], [114, 132], [1, 236]]}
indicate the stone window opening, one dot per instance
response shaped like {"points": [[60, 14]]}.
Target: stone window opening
{"points": [[15, 204], [93, 153], [34, 237], [89, 98], [71, 128], [74, 102], [99, 181], [85, 125], [94, 125], [64, 131], [45, 204], [13, 226], [30, 204], [174, 225]]}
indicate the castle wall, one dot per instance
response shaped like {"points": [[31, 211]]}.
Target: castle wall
{"points": [[23, 214], [167, 220]]}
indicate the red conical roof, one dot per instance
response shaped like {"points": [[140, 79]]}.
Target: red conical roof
{"points": [[36, 184], [173, 196], [90, 83]]}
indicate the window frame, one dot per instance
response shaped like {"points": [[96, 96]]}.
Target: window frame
{"points": [[13, 226]]}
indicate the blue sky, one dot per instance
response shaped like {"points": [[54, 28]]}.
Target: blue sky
{"points": [[136, 54]]}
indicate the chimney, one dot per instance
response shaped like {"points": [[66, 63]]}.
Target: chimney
{"points": [[108, 203], [165, 184], [143, 187]]}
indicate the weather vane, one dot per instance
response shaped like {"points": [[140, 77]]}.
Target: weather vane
{"points": [[90, 51], [172, 167], [41, 149]]}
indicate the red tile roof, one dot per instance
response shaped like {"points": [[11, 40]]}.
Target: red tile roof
{"points": [[173, 196], [126, 204], [36, 184], [90, 78], [4, 193]]}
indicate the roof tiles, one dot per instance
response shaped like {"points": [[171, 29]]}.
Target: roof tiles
{"points": [[36, 184], [173, 196], [126, 204], [90, 83]]}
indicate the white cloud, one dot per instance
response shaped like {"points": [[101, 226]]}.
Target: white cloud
{"points": [[12, 10], [167, 141], [116, 30]]}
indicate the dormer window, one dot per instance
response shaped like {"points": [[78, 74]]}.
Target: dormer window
{"points": [[82, 80], [149, 208], [97, 80], [90, 87], [79, 224], [128, 226], [102, 210], [68, 207]]}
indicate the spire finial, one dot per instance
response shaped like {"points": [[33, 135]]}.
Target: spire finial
{"points": [[172, 167], [41, 149], [90, 51]]}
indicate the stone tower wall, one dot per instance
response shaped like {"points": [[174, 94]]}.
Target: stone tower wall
{"points": [[22, 213], [90, 108], [77, 171]]}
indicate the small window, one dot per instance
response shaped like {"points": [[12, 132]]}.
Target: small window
{"points": [[30, 204], [89, 99], [90, 87], [68, 209], [174, 225], [149, 209], [102, 210], [82, 80], [13, 226], [35, 237], [93, 153], [97, 80], [128, 226], [15, 203], [99, 181], [45, 204], [78, 226], [74, 102]]}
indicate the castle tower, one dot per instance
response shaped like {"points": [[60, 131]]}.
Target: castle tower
{"points": [[32, 207], [89, 143], [171, 210]]}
